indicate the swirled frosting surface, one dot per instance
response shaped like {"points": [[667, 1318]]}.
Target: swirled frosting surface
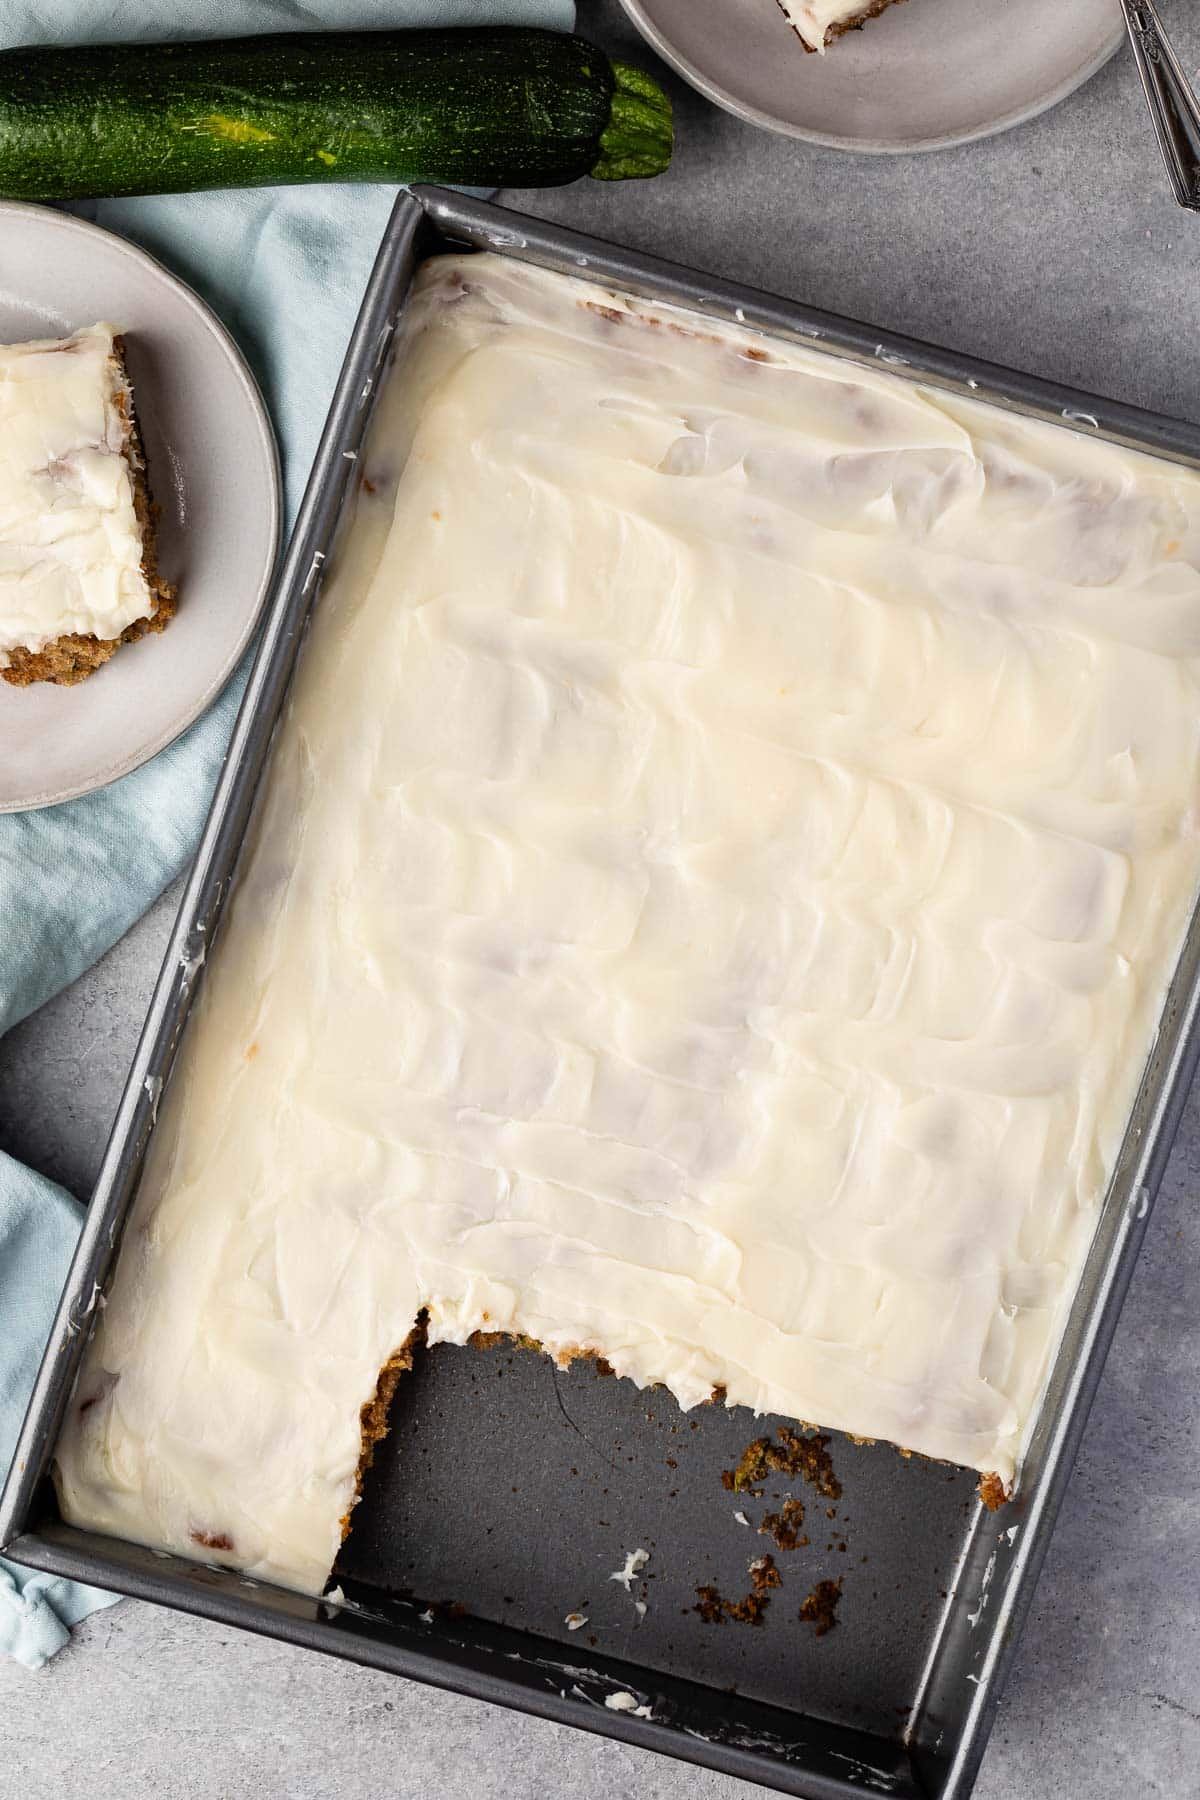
{"points": [[70, 541], [723, 858]]}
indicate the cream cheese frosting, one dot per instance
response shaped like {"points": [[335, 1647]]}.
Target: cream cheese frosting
{"points": [[724, 854], [813, 18], [70, 539]]}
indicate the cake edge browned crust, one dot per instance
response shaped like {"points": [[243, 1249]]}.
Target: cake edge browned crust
{"points": [[73, 656], [871, 11]]}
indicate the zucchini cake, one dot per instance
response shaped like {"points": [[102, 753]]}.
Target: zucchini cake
{"points": [[78, 573], [724, 853], [819, 23]]}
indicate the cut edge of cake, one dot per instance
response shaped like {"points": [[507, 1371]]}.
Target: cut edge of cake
{"points": [[71, 657]]}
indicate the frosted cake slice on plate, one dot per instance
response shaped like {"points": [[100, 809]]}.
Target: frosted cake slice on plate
{"points": [[78, 572], [819, 23]]}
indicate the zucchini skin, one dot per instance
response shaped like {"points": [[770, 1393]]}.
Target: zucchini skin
{"points": [[502, 106]]}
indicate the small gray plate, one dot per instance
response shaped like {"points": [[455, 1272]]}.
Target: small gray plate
{"points": [[922, 76], [213, 472]]}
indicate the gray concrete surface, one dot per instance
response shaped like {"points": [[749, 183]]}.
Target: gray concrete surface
{"points": [[1055, 249]]}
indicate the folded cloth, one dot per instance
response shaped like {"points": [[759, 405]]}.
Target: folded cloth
{"points": [[38, 1225], [285, 268]]}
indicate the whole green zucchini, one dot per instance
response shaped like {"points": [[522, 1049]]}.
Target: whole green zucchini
{"points": [[485, 107]]}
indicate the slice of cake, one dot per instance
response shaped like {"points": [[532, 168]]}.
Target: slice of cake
{"points": [[78, 574], [819, 23]]}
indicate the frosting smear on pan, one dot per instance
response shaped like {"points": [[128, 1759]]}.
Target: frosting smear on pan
{"points": [[723, 858]]}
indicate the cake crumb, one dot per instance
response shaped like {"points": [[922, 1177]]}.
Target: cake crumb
{"points": [[819, 1608], [794, 1454], [749, 1610], [992, 1492], [575, 1621], [784, 1525], [710, 1605], [714, 1609], [764, 1575], [752, 1468]]}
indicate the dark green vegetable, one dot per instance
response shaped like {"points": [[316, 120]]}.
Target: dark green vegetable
{"points": [[487, 108]]}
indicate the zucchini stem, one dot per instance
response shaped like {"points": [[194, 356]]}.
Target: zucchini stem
{"points": [[639, 136]]}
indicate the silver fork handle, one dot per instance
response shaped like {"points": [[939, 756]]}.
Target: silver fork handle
{"points": [[1169, 94]]}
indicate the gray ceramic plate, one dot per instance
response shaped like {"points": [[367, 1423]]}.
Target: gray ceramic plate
{"points": [[213, 471], [924, 75]]}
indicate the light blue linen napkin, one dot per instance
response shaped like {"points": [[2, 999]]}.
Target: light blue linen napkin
{"points": [[285, 268]]}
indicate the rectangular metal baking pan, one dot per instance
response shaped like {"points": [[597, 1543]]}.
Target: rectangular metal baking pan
{"points": [[507, 1493]]}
